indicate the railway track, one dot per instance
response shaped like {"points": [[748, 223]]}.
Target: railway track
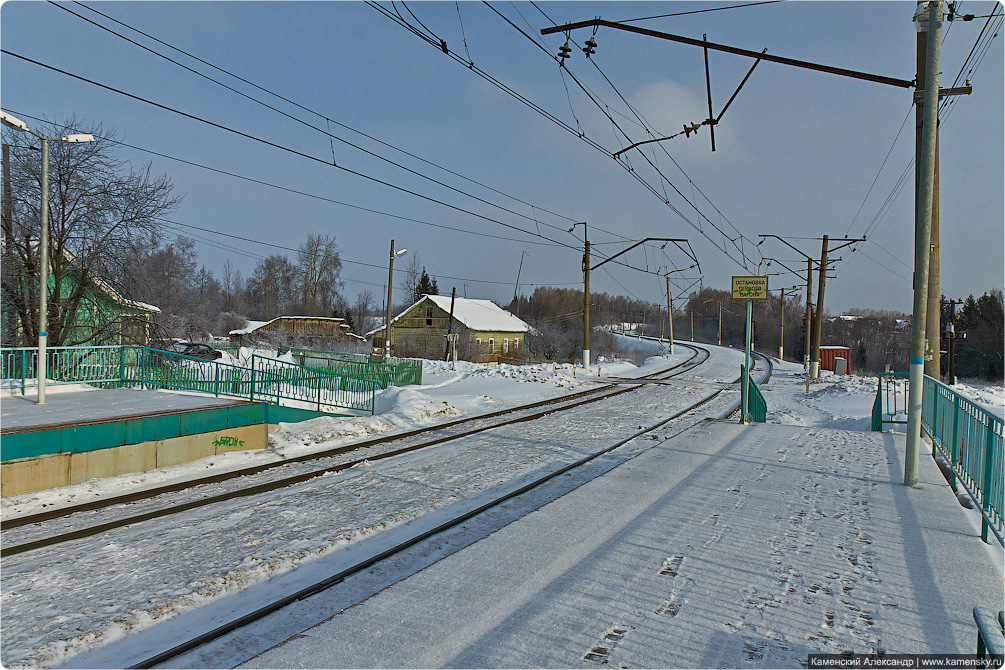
{"points": [[443, 432], [514, 415], [340, 576]]}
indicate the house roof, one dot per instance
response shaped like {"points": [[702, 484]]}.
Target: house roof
{"points": [[482, 315], [255, 325]]}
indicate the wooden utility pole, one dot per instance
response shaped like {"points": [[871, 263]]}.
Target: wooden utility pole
{"points": [[818, 321], [9, 319], [450, 324], [809, 313]]}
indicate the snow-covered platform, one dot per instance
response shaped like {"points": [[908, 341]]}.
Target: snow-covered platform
{"points": [[77, 407], [728, 546]]}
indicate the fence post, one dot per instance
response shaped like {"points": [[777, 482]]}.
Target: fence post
{"points": [[143, 368], [216, 380], [986, 492], [122, 365], [952, 451], [24, 370], [252, 395]]}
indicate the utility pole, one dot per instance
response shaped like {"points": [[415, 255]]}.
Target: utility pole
{"points": [[932, 325], [670, 313], [922, 248], [809, 314], [9, 327], [450, 324], [952, 336], [586, 302], [387, 313], [818, 321]]}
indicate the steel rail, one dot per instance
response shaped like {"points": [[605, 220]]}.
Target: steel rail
{"points": [[38, 517], [368, 562], [89, 531]]}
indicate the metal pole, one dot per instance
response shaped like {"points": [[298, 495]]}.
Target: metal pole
{"points": [[818, 322], [809, 314], [586, 302], [781, 331], [745, 382], [692, 322], [43, 273], [720, 324], [670, 313], [387, 313], [921, 244]]}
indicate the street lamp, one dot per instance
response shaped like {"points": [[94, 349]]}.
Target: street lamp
{"points": [[390, 278], [43, 242]]}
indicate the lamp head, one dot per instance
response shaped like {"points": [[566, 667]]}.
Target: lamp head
{"points": [[78, 137], [13, 122], [400, 252]]}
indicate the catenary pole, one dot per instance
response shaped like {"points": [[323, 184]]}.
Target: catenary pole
{"points": [[809, 315], [670, 314], [922, 242], [818, 321], [932, 321]]}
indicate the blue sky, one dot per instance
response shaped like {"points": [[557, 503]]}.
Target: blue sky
{"points": [[796, 153]]}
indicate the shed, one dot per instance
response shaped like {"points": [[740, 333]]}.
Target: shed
{"points": [[330, 333], [829, 353]]}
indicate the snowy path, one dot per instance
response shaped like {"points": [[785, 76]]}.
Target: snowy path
{"points": [[728, 547], [128, 579]]}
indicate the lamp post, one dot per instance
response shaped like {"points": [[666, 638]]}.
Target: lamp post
{"points": [[43, 242], [387, 314]]}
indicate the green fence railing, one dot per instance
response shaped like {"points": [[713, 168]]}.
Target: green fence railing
{"points": [[757, 407], [266, 379], [386, 372], [890, 405], [275, 378], [64, 365], [971, 438]]}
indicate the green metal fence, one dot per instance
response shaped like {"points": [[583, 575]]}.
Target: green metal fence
{"points": [[971, 438], [890, 405], [386, 372], [64, 365], [266, 379], [280, 379], [757, 407]]}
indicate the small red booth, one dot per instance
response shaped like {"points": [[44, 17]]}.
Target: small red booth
{"points": [[828, 354]]}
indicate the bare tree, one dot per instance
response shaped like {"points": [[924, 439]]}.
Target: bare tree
{"points": [[97, 208], [361, 310], [272, 286], [318, 267]]}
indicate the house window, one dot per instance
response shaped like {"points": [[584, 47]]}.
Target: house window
{"points": [[505, 345], [516, 344], [492, 345], [478, 340], [429, 316]]}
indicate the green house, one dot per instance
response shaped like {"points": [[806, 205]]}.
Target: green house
{"points": [[97, 315], [486, 332]]}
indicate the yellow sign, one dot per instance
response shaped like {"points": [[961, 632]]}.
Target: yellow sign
{"points": [[750, 288]]}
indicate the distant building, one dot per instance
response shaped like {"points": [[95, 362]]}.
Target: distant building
{"points": [[486, 332], [315, 332]]}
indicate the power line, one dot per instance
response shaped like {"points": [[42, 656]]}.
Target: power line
{"points": [[304, 193], [283, 148], [699, 11], [272, 93]]}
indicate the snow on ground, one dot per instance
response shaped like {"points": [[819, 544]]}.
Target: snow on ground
{"points": [[361, 511], [446, 393]]}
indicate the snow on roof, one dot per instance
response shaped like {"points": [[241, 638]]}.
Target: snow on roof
{"points": [[255, 325], [482, 315]]}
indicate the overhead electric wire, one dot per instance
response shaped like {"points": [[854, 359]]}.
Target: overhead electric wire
{"points": [[285, 148], [633, 172], [285, 99], [309, 125], [699, 11]]}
